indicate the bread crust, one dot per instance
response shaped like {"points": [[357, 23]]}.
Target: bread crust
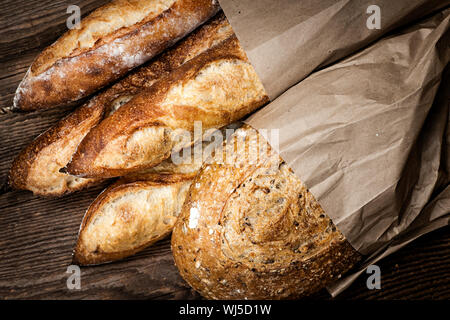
{"points": [[249, 229], [58, 77], [37, 167], [217, 87], [129, 216]]}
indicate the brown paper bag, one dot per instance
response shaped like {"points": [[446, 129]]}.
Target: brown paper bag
{"points": [[426, 177], [349, 130], [287, 39], [366, 138]]}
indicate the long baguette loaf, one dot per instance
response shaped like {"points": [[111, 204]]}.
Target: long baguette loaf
{"points": [[129, 216], [37, 167], [217, 87], [111, 41], [249, 229]]}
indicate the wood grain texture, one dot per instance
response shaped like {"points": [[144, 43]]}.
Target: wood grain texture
{"points": [[37, 235]]}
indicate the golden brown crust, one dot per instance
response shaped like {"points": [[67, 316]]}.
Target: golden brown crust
{"points": [[190, 164], [217, 87], [129, 216], [37, 166], [208, 35], [137, 210], [60, 75], [249, 229], [105, 24]]}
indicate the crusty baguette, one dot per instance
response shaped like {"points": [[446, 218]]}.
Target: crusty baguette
{"points": [[37, 167], [130, 215], [217, 87], [111, 41], [249, 229]]}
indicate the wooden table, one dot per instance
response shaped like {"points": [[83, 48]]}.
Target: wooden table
{"points": [[37, 235]]}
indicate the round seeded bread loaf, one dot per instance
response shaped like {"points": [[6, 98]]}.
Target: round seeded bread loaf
{"points": [[249, 228]]}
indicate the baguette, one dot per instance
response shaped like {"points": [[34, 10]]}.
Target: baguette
{"points": [[130, 215], [217, 87], [111, 41], [37, 167], [249, 229]]}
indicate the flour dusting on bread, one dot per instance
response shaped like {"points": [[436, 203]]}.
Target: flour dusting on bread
{"points": [[111, 41]]}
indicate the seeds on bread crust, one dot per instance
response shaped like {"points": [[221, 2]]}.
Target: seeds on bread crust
{"points": [[259, 232]]}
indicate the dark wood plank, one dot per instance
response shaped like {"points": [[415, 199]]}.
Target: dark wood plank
{"points": [[420, 270], [37, 235]]}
